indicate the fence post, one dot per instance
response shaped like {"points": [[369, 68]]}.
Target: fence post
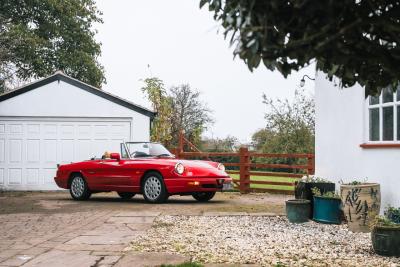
{"points": [[175, 151], [244, 160], [179, 149], [311, 165]]}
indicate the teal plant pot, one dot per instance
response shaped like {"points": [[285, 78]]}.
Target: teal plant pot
{"points": [[303, 190], [386, 240], [327, 210], [298, 210]]}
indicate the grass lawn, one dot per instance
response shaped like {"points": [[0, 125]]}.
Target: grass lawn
{"points": [[185, 264], [271, 179]]}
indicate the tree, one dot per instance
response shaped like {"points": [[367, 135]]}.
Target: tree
{"points": [[290, 127], [227, 144], [38, 37], [162, 104], [356, 41], [179, 108], [189, 113], [5, 55]]}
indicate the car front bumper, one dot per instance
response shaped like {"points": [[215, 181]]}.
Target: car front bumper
{"points": [[197, 184], [61, 182]]}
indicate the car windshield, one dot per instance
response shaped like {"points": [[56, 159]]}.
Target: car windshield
{"points": [[146, 149]]}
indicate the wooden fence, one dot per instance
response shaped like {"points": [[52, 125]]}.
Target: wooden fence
{"points": [[247, 166]]}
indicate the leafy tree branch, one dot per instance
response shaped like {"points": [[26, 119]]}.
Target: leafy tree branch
{"points": [[356, 41], [38, 37], [178, 108]]}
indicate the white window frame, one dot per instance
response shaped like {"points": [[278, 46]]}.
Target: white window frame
{"points": [[381, 105]]}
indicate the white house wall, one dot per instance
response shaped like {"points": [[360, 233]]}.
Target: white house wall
{"points": [[340, 129], [58, 98]]}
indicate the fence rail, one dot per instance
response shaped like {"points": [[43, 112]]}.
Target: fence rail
{"points": [[247, 168]]}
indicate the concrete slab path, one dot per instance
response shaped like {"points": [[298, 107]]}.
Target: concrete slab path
{"points": [[80, 239]]}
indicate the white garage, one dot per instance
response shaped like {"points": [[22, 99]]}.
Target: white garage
{"points": [[61, 120]]}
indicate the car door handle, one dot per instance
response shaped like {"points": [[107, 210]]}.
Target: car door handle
{"points": [[91, 172]]}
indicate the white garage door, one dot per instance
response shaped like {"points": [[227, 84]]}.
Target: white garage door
{"points": [[30, 149]]}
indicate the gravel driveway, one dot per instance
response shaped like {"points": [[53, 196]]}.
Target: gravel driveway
{"points": [[264, 240]]}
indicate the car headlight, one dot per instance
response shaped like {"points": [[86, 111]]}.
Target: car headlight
{"points": [[221, 167], [179, 168]]}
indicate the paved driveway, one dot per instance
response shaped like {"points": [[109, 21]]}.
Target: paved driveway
{"points": [[49, 229]]}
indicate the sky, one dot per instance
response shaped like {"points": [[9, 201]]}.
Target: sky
{"points": [[184, 44]]}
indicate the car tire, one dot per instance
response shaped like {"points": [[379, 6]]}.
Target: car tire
{"points": [[203, 196], [79, 189], [126, 195], [153, 188]]}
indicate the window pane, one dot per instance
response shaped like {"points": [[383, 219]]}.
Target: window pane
{"points": [[387, 95], [124, 154], [373, 100], [388, 123], [398, 121], [374, 124]]}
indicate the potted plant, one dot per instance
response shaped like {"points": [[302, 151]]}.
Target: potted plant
{"points": [[393, 214], [385, 234], [361, 200], [298, 210], [327, 207], [304, 186]]}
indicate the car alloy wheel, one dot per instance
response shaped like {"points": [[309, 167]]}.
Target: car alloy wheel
{"points": [[79, 189], [153, 188], [77, 186]]}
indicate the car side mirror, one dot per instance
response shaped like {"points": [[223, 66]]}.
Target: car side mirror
{"points": [[115, 156]]}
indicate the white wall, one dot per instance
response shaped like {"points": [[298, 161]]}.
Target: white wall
{"points": [[340, 129], [60, 99]]}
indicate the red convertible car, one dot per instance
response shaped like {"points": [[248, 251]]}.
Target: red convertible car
{"points": [[144, 168]]}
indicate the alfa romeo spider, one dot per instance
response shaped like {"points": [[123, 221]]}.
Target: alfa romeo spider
{"points": [[144, 168]]}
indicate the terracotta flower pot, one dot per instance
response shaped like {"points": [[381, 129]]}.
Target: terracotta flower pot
{"points": [[360, 203]]}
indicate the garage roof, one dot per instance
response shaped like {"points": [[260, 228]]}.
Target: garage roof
{"points": [[60, 76]]}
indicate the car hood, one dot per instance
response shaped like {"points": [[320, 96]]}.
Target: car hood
{"points": [[197, 168], [195, 163]]}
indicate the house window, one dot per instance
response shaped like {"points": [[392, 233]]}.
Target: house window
{"points": [[384, 116]]}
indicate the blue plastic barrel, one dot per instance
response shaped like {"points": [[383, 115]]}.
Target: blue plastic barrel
{"points": [[327, 210]]}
